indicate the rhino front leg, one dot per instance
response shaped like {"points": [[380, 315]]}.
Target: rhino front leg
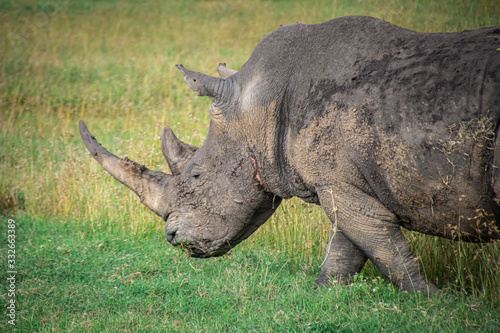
{"points": [[374, 230], [342, 260]]}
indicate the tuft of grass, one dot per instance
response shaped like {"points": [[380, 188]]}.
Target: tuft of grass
{"points": [[471, 269], [11, 201], [112, 63]]}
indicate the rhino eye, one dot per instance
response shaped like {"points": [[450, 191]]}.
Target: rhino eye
{"points": [[196, 173]]}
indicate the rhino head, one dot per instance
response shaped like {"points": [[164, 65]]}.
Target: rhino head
{"points": [[214, 198]]}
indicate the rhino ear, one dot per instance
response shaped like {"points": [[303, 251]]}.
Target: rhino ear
{"points": [[205, 85], [225, 72], [176, 152]]}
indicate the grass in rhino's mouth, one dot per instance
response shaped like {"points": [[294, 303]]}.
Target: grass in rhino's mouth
{"points": [[192, 250], [197, 252]]}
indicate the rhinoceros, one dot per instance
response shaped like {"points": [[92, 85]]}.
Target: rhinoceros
{"points": [[384, 127]]}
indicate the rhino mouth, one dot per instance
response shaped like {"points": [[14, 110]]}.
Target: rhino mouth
{"points": [[196, 249], [196, 252]]}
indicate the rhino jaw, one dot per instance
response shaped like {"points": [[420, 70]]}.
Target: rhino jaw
{"points": [[205, 237]]}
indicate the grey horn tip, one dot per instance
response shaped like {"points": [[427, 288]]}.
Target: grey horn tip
{"points": [[84, 131], [166, 130], [88, 139], [81, 125]]}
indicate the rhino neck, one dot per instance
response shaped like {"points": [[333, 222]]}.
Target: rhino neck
{"points": [[270, 145]]}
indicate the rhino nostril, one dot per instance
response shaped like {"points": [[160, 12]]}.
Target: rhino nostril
{"points": [[170, 236]]}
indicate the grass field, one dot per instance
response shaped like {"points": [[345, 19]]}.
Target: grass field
{"points": [[90, 257]]}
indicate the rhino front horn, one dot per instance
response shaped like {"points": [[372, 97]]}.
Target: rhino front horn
{"points": [[149, 185]]}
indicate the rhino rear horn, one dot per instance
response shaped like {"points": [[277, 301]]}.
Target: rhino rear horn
{"points": [[225, 72], [205, 85], [176, 152], [149, 185]]}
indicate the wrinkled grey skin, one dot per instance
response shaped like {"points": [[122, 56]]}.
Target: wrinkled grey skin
{"points": [[381, 126]]}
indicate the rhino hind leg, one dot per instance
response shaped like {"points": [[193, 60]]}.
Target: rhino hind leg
{"points": [[342, 260], [374, 231]]}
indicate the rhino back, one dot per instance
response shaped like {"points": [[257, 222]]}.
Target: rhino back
{"points": [[409, 117]]}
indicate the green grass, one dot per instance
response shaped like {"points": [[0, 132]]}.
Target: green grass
{"points": [[73, 280], [112, 63]]}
